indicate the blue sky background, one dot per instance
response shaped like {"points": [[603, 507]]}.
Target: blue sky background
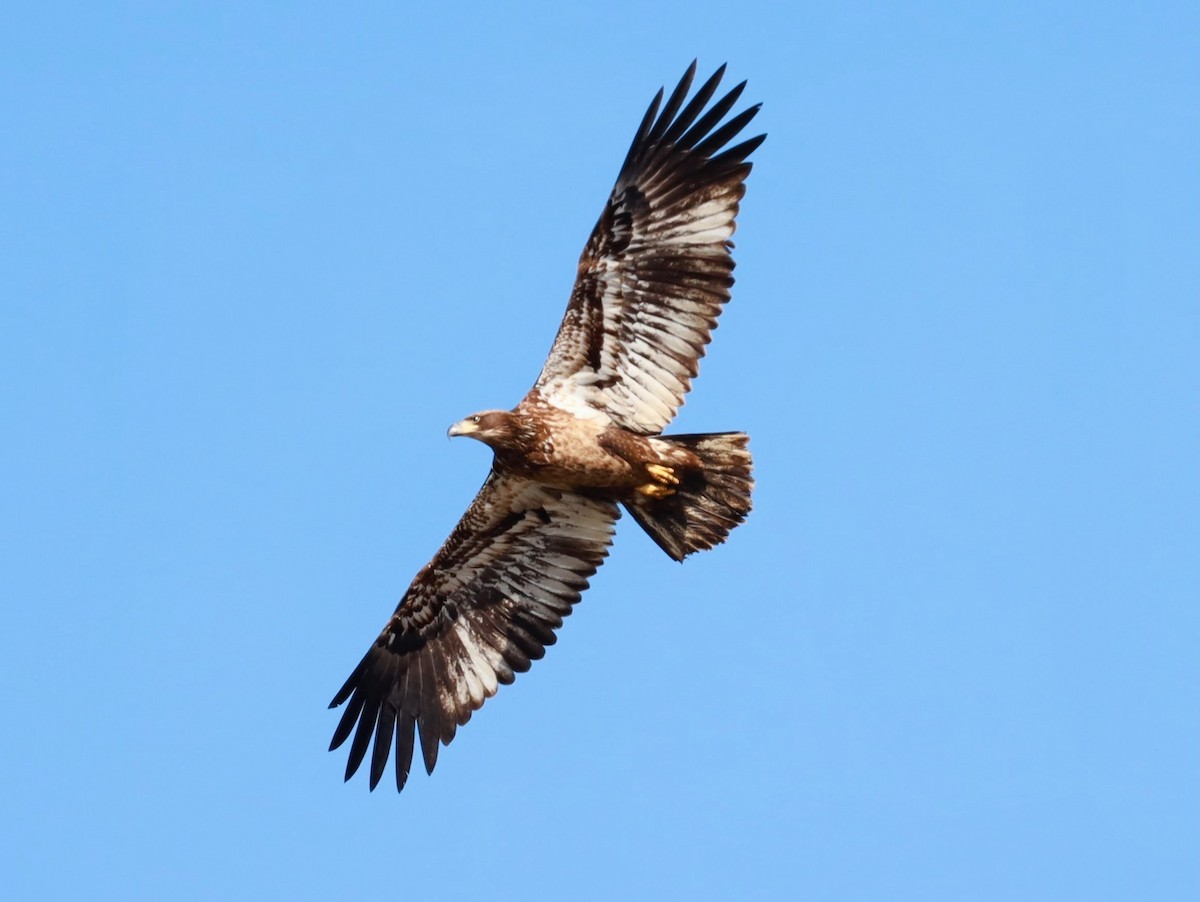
{"points": [[255, 258]]}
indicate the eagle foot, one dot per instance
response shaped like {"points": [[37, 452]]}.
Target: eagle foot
{"points": [[665, 475], [655, 490]]}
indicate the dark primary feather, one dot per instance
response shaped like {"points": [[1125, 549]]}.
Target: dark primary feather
{"points": [[657, 268], [479, 612]]}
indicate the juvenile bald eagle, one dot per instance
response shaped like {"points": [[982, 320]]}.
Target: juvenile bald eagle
{"points": [[652, 280]]}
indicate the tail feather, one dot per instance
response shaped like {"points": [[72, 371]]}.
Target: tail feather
{"points": [[708, 503]]}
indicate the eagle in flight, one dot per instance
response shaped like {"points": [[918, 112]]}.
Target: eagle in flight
{"points": [[586, 440]]}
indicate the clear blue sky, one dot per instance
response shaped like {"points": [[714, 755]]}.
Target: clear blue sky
{"points": [[255, 258]]}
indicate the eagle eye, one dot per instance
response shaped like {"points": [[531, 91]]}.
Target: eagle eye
{"points": [[475, 419]]}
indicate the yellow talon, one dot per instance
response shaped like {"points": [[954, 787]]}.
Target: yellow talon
{"points": [[654, 490], [662, 474]]}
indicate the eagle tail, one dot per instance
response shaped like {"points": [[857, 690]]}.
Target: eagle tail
{"points": [[707, 503]]}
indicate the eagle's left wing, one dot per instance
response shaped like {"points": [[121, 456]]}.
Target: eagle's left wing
{"points": [[657, 268], [479, 612]]}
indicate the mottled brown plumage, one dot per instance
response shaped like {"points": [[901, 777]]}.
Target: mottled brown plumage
{"points": [[651, 282]]}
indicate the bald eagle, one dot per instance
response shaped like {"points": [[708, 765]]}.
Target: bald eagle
{"points": [[583, 442]]}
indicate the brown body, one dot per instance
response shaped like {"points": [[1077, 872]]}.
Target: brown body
{"points": [[545, 443]]}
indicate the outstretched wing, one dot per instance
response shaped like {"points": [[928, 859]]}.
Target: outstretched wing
{"points": [[657, 268], [478, 613]]}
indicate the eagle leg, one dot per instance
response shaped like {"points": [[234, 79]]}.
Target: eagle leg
{"points": [[655, 490], [664, 482], [662, 474]]}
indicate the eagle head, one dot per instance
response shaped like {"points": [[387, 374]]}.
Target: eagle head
{"points": [[492, 427]]}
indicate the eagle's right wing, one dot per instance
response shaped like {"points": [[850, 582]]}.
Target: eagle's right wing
{"points": [[657, 268], [479, 612]]}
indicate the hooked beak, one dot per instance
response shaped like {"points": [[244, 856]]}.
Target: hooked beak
{"points": [[462, 427]]}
